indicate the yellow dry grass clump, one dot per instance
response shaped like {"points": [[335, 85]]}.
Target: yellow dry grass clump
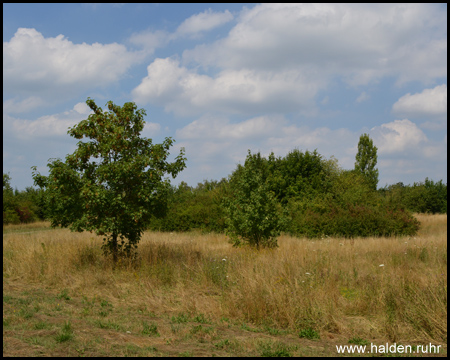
{"points": [[375, 288]]}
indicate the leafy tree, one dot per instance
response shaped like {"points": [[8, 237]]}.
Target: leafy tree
{"points": [[193, 208], [253, 214], [20, 206], [421, 197], [298, 174], [9, 202], [8, 193], [6, 182], [426, 197], [351, 208], [113, 183], [366, 160]]}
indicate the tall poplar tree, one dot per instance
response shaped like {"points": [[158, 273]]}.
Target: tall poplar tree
{"points": [[366, 160]]}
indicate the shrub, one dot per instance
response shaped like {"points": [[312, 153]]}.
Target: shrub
{"points": [[25, 214], [193, 208], [350, 209], [253, 215], [309, 333], [422, 197]]}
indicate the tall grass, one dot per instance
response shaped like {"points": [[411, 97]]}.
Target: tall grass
{"points": [[392, 289]]}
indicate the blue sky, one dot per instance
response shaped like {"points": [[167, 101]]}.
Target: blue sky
{"points": [[224, 78]]}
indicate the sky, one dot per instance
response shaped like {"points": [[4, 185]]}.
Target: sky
{"points": [[222, 79]]}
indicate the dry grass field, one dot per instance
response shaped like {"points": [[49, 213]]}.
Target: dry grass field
{"points": [[195, 295]]}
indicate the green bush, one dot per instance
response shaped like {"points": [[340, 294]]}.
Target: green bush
{"points": [[26, 215], [349, 220], [421, 197], [193, 208], [10, 217], [21, 206], [253, 215], [350, 209]]}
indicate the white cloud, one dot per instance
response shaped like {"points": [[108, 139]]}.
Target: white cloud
{"points": [[150, 40], [151, 129], [15, 106], [82, 108], [46, 126], [215, 127], [278, 56], [192, 27], [360, 42], [56, 66], [428, 103], [186, 92], [204, 21], [216, 145], [57, 125], [399, 136], [363, 97]]}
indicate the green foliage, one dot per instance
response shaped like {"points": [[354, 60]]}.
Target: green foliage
{"points": [[180, 319], [309, 333], [66, 333], [113, 183], [63, 295], [149, 329], [366, 160], [20, 206], [319, 198], [216, 271], [202, 319], [350, 209], [276, 349], [298, 174], [421, 197], [193, 208], [10, 217], [350, 221], [253, 214]]}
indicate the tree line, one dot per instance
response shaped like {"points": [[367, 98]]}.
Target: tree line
{"points": [[116, 184], [198, 207]]}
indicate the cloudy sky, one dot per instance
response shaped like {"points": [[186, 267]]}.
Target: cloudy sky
{"points": [[224, 78]]}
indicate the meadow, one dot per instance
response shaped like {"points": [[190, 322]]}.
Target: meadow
{"points": [[193, 294]]}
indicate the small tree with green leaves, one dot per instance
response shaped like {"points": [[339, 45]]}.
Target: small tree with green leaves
{"points": [[113, 183], [253, 215], [366, 160], [10, 215]]}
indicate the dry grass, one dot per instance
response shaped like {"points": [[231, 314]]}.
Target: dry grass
{"points": [[379, 289], [26, 227]]}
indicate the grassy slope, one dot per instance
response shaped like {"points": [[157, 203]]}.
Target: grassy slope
{"points": [[195, 295]]}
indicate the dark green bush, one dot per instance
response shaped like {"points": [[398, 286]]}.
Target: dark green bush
{"points": [[253, 215], [350, 209], [10, 217], [349, 220], [421, 197], [20, 206], [193, 208]]}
